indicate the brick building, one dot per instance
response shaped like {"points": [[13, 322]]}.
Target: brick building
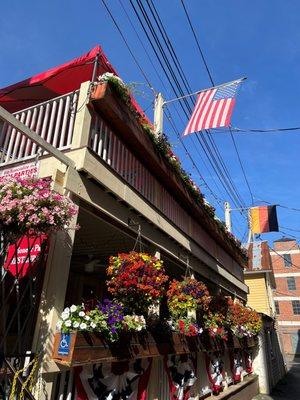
{"points": [[286, 266]]}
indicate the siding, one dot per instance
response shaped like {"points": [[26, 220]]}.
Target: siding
{"points": [[258, 296]]}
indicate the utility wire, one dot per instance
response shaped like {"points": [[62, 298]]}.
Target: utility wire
{"points": [[159, 77], [242, 166], [123, 37], [128, 47], [163, 55], [180, 70], [290, 229], [188, 154], [212, 82], [218, 200], [281, 256], [245, 130], [279, 205], [146, 78], [287, 234], [178, 66], [197, 42]]}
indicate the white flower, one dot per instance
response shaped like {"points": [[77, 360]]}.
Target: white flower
{"points": [[93, 325], [87, 318], [66, 310], [73, 308], [83, 326], [68, 323], [65, 316], [75, 324], [58, 325], [81, 314]]}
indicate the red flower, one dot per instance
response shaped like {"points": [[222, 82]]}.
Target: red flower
{"points": [[136, 280]]}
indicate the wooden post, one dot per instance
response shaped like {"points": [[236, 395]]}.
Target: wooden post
{"points": [[83, 118]]}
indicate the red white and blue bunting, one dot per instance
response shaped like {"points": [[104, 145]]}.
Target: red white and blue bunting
{"points": [[114, 381], [236, 365], [248, 361], [215, 372], [181, 371]]}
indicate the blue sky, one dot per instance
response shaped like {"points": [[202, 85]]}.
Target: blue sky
{"points": [[258, 39]]}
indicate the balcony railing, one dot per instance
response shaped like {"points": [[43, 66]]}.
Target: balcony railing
{"points": [[52, 120], [114, 152], [107, 145]]}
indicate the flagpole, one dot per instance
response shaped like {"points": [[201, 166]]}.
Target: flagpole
{"points": [[203, 90]]}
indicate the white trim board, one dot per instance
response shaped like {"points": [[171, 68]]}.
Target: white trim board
{"points": [[286, 298], [289, 323], [284, 252], [286, 274]]}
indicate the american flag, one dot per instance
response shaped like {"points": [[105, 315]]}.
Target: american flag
{"points": [[213, 108]]}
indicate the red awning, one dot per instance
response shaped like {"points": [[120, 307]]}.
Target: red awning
{"points": [[54, 82]]}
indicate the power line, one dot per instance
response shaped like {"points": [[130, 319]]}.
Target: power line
{"points": [[127, 45], [279, 205], [168, 66], [194, 165], [291, 263], [177, 84], [287, 234], [271, 130], [197, 42], [241, 164], [290, 229], [212, 82], [146, 78]]}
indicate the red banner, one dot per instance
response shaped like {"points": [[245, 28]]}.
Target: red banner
{"points": [[22, 256]]}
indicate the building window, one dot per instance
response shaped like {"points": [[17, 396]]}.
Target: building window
{"points": [[296, 306], [277, 307], [287, 260], [291, 283]]}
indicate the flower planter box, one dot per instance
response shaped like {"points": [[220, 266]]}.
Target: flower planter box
{"points": [[234, 342], [251, 342], [86, 348]]}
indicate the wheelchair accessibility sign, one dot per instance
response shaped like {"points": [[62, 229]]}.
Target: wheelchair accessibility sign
{"points": [[64, 344]]}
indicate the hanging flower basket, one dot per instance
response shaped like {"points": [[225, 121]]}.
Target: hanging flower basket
{"points": [[136, 280], [30, 206], [215, 318], [185, 299], [186, 296], [242, 321]]}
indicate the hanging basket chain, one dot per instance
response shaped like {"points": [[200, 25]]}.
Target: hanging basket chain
{"points": [[138, 243], [189, 273]]}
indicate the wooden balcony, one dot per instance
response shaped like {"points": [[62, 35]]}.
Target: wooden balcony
{"points": [[100, 133]]}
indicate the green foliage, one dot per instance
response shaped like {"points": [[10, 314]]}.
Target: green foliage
{"points": [[164, 149]]}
